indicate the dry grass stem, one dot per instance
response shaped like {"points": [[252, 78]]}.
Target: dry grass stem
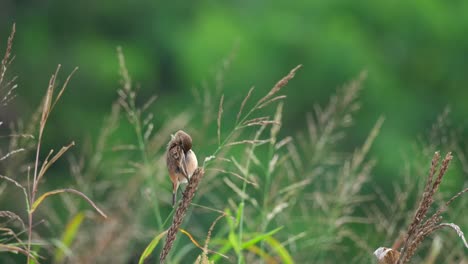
{"points": [[256, 120], [6, 59], [274, 99], [256, 142], [15, 249], [47, 194], [236, 189], [243, 104], [235, 174], [12, 216], [210, 231], [46, 165], [277, 123], [203, 258], [220, 114], [458, 230], [11, 153], [16, 184], [280, 84]]}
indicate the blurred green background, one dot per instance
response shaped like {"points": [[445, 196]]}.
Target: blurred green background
{"points": [[415, 54]]}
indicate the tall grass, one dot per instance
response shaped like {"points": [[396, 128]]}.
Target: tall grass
{"points": [[261, 195], [33, 198]]}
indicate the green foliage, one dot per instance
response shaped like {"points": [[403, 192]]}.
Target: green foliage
{"points": [[68, 236], [150, 248], [299, 179], [232, 242]]}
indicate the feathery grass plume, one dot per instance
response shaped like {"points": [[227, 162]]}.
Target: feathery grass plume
{"points": [[6, 61], [280, 84], [39, 121], [7, 93], [12, 216], [421, 225], [128, 225], [325, 124], [207, 95], [391, 216], [329, 180], [85, 168], [49, 103], [143, 127], [243, 121], [413, 235], [179, 215]]}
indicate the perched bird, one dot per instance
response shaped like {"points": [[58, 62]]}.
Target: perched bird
{"points": [[181, 160]]}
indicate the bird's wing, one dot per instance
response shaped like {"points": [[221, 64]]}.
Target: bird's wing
{"points": [[183, 165], [176, 156]]}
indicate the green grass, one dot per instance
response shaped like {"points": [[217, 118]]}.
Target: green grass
{"points": [[265, 197]]}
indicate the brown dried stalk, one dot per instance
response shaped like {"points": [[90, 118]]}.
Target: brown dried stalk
{"points": [[280, 84], [33, 202], [203, 258], [427, 200], [12, 216], [420, 228], [243, 104], [188, 195], [6, 59], [421, 225]]}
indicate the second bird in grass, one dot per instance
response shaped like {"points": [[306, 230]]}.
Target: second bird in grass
{"points": [[181, 160]]}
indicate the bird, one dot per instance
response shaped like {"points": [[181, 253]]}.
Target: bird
{"points": [[181, 160]]}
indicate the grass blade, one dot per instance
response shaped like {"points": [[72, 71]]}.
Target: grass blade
{"points": [[260, 237], [150, 248], [68, 236], [47, 194]]}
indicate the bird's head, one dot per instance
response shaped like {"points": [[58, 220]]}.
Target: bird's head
{"points": [[184, 140]]}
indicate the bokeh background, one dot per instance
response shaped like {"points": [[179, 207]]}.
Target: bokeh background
{"points": [[414, 52]]}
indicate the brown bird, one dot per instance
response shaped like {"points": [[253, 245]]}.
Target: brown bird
{"points": [[181, 160]]}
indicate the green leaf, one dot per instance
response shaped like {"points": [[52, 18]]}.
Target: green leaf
{"points": [[232, 237], [282, 252], [260, 237], [240, 211], [257, 250], [224, 249], [68, 236], [229, 217], [232, 242], [150, 248]]}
